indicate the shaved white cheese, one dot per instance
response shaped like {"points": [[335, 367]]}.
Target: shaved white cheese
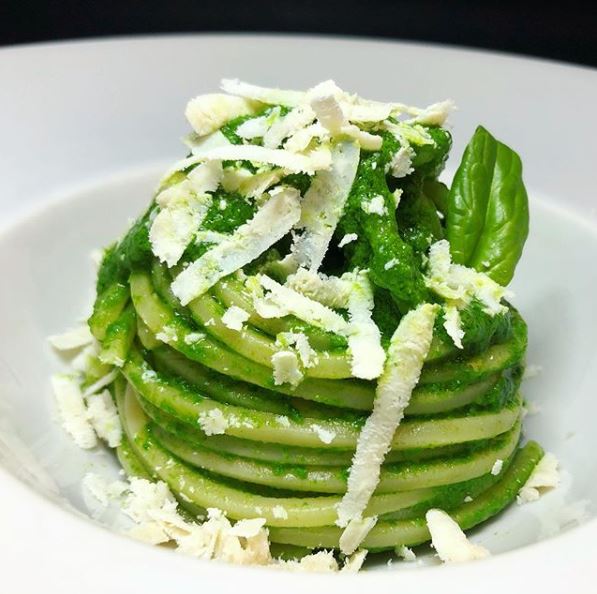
{"points": [[75, 338], [397, 195], [354, 563], [405, 553], [325, 101], [325, 435], [302, 138], [206, 177], [247, 528], [391, 264], [497, 467], [261, 94], [355, 534], [364, 111], [436, 114], [102, 413], [450, 541], [299, 340], [234, 318], [258, 127], [295, 162], [409, 133], [193, 337], [203, 143], [545, 476], [294, 121], [286, 368], [308, 310], [210, 237], [330, 291], [409, 346], [213, 422], [72, 410], [174, 226], [321, 562], [348, 238], [453, 325], [103, 490], [375, 205], [323, 206], [364, 337], [207, 113], [401, 163], [271, 222], [459, 284], [101, 383]]}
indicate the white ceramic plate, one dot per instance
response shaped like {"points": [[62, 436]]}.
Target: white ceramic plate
{"points": [[85, 129]]}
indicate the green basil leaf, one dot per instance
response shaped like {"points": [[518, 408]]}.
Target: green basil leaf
{"points": [[487, 221]]}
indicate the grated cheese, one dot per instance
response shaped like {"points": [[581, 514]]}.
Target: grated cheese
{"points": [[355, 533], [322, 208], [544, 476], [497, 467], [450, 541], [72, 410], [292, 123], [405, 553], [234, 318], [436, 114], [409, 346], [375, 205], [453, 325], [401, 163], [75, 338], [286, 368], [208, 113], [102, 413], [459, 284], [300, 342], [348, 238], [261, 94], [174, 226], [364, 337], [330, 291], [270, 223], [327, 436], [213, 422], [288, 301]]}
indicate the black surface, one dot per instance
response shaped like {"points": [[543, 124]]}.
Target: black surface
{"points": [[560, 30]]}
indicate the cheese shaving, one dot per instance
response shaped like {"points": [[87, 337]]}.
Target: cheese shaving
{"points": [[409, 346], [73, 411], [275, 218], [323, 206], [208, 113], [291, 302], [75, 338], [545, 476], [261, 94], [355, 533], [234, 318], [459, 284], [450, 541]]}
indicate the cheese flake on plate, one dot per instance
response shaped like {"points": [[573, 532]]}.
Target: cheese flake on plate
{"points": [[449, 541]]}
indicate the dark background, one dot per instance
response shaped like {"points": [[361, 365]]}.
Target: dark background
{"points": [[564, 30]]}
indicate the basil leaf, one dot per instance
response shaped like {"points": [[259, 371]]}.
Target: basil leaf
{"points": [[487, 220]]}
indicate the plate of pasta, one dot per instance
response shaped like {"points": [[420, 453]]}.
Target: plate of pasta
{"points": [[274, 313]]}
